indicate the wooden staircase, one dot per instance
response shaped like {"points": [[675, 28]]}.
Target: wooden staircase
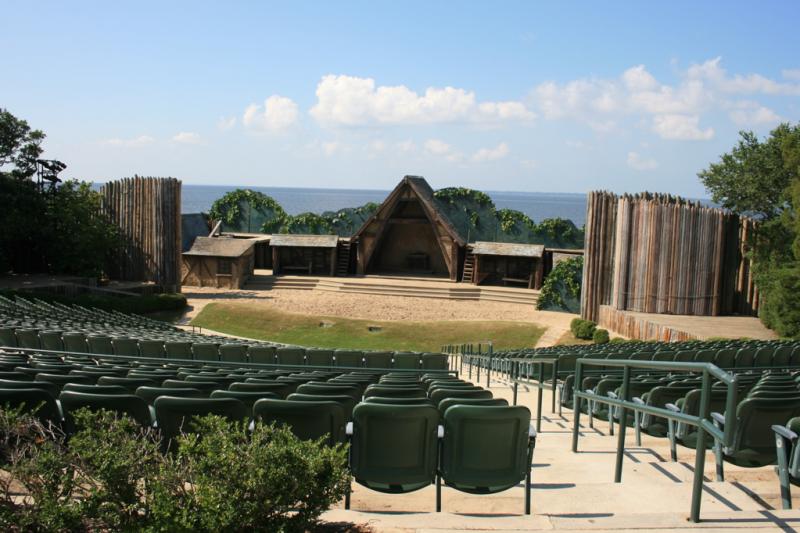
{"points": [[469, 269], [343, 258]]}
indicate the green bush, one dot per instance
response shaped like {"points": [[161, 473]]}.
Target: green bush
{"points": [[561, 290], [779, 306], [582, 329], [113, 477], [600, 336]]}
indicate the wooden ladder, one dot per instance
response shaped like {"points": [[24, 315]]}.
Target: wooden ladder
{"points": [[343, 259], [469, 269]]}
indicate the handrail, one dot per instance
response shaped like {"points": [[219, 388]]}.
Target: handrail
{"points": [[700, 421], [221, 364]]}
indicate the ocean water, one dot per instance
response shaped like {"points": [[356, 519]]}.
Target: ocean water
{"points": [[538, 206]]}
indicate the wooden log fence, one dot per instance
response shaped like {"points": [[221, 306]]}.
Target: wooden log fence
{"points": [[147, 212], [656, 253]]}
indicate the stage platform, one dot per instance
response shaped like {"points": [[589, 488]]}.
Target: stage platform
{"points": [[650, 326]]}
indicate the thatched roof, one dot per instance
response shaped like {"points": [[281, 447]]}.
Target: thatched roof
{"points": [[304, 241], [220, 247], [508, 249]]}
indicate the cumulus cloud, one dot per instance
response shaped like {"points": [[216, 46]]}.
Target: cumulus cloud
{"points": [[226, 123], [439, 148], [135, 142], [491, 154], [637, 162], [187, 137], [791, 73], [681, 127], [713, 72], [406, 146], [749, 113], [353, 101], [277, 114]]}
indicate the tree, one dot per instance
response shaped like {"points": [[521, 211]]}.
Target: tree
{"points": [[762, 179], [19, 146]]}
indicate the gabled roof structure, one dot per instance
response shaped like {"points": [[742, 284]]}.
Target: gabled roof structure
{"points": [[373, 233], [219, 247], [304, 241]]}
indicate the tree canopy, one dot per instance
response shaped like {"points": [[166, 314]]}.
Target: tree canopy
{"points": [[20, 146]]}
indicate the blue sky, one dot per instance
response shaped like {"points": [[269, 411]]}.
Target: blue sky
{"points": [[528, 96]]}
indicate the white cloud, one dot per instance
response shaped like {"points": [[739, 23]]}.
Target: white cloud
{"points": [[353, 101], [791, 73], [226, 123], [406, 146], [491, 154], [439, 148], [713, 72], [681, 127], [134, 142], [637, 162], [749, 113], [277, 114], [187, 137]]}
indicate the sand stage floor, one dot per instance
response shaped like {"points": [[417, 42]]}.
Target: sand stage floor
{"points": [[576, 492]]}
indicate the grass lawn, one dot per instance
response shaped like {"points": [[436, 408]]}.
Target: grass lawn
{"points": [[266, 323]]}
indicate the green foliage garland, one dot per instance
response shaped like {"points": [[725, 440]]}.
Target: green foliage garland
{"points": [[561, 290]]}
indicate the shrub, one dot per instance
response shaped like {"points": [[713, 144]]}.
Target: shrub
{"points": [[618, 340], [779, 307], [561, 290], [582, 329], [113, 477], [600, 336]]}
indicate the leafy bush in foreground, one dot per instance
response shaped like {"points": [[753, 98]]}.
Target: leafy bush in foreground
{"points": [[582, 329], [112, 476], [600, 336]]}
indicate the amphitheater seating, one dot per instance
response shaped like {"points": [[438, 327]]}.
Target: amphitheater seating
{"points": [[174, 415]]}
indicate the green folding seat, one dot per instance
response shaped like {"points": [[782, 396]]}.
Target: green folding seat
{"points": [[222, 382], [394, 448], [178, 349], [330, 388], [95, 389], [233, 353], [100, 344], [174, 415], [43, 385], [745, 357], [28, 338], [131, 384], [725, 358], [308, 420], [247, 398], [292, 381], [685, 356], [262, 355], [349, 358], [753, 442], [151, 348], [290, 356], [36, 401], [794, 359], [378, 359], [394, 392], [122, 404], [149, 394], [435, 361], [406, 361], [398, 401], [7, 337], [782, 356], [74, 341], [486, 449], [664, 356], [347, 402], [51, 340], [788, 458], [281, 390], [318, 357], [62, 379], [125, 346], [705, 356], [205, 351], [440, 394], [763, 357], [450, 402]]}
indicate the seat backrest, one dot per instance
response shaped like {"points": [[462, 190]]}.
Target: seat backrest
{"points": [[94, 389], [308, 420], [725, 358], [28, 338], [174, 415], [123, 404], [52, 388], [151, 348], [349, 358], [754, 420], [7, 336], [282, 390], [36, 401], [763, 357], [435, 361], [100, 344], [129, 383], [744, 357], [318, 357], [149, 394], [348, 403], [248, 398], [51, 340], [782, 355], [378, 359], [705, 356], [205, 351], [260, 354], [406, 361], [125, 346], [450, 402], [178, 383], [330, 388], [290, 356], [233, 353], [394, 447], [178, 349], [394, 392], [399, 401], [440, 394], [485, 448]]}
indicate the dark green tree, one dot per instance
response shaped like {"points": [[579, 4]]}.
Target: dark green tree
{"points": [[20, 146]]}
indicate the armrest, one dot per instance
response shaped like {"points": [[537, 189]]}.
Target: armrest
{"points": [[718, 418], [672, 407], [784, 432], [612, 394], [440, 431], [348, 429], [638, 401], [531, 432]]}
